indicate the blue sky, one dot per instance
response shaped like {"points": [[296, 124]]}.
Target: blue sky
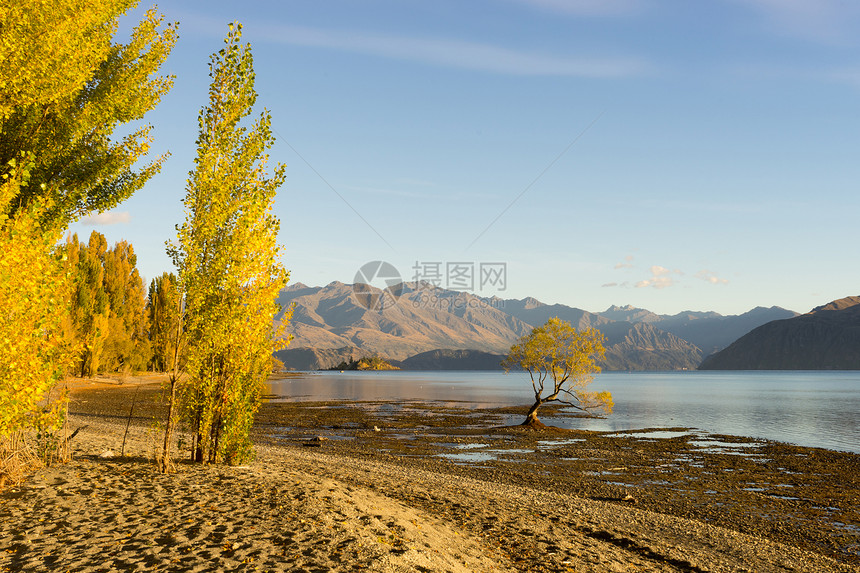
{"points": [[671, 155]]}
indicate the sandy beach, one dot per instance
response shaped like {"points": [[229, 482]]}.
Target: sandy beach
{"points": [[316, 502]]}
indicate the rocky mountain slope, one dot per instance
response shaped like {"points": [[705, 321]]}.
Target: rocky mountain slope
{"points": [[421, 320], [710, 331], [641, 346], [536, 313], [828, 337]]}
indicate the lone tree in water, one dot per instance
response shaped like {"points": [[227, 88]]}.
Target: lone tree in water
{"points": [[561, 361]]}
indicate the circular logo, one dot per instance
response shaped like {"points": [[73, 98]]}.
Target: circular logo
{"points": [[377, 285]]}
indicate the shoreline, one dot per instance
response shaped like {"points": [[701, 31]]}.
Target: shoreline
{"points": [[380, 500]]}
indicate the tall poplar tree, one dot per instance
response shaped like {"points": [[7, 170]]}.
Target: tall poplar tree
{"points": [[127, 348], [64, 88], [229, 262]]}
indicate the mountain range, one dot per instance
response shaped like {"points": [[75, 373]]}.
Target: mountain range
{"points": [[331, 324], [826, 338]]}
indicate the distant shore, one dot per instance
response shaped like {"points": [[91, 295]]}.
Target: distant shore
{"points": [[345, 487]]}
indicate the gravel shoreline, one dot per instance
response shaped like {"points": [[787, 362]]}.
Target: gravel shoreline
{"points": [[367, 500]]}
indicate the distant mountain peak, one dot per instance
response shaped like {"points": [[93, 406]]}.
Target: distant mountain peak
{"points": [[629, 313], [625, 308], [825, 338], [839, 304]]}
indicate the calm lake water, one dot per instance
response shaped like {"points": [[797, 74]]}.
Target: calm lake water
{"points": [[817, 409]]}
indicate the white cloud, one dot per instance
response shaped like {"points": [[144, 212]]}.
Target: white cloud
{"points": [[108, 218], [459, 53], [711, 277], [656, 282], [661, 277], [627, 264]]}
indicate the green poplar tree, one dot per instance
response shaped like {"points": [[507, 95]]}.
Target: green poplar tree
{"points": [[90, 307], [163, 311], [229, 262], [127, 347], [107, 313]]}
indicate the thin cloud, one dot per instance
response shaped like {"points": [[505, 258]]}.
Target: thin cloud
{"points": [[459, 54], [385, 191], [609, 285], [710, 277], [587, 7], [843, 75], [414, 182], [109, 218], [826, 21]]}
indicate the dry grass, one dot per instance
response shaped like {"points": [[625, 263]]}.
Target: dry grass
{"points": [[18, 459]]}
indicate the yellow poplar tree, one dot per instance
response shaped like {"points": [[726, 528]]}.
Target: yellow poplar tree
{"points": [[90, 308], [108, 316], [163, 313], [127, 348], [50, 48], [64, 87], [229, 262], [32, 286], [167, 335]]}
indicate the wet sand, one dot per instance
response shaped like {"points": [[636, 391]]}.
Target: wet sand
{"points": [[415, 487]]}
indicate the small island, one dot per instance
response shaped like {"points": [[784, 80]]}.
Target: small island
{"points": [[374, 362]]}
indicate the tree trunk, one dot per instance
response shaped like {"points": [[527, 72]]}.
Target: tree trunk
{"points": [[531, 420], [166, 455], [197, 442]]}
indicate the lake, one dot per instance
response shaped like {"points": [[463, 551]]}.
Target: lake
{"points": [[815, 409]]}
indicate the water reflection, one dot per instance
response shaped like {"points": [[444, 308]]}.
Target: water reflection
{"points": [[818, 409], [466, 389]]}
